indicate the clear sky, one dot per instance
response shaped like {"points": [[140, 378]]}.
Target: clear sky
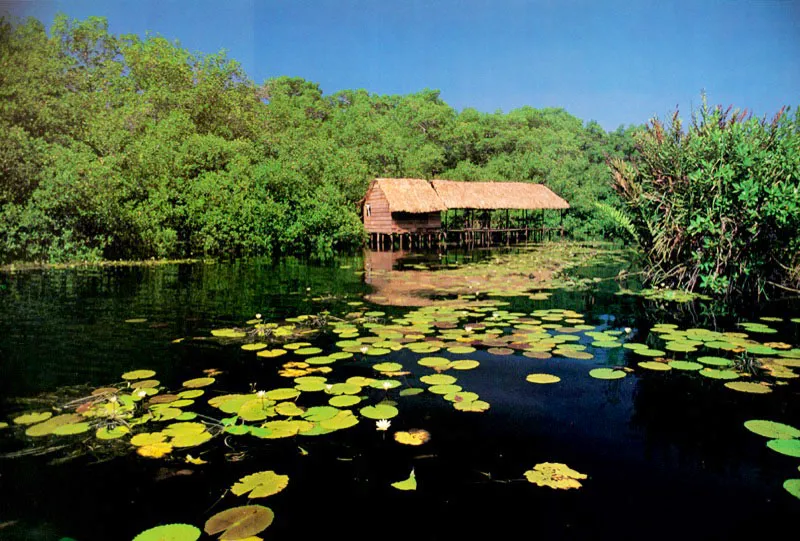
{"points": [[616, 62]]}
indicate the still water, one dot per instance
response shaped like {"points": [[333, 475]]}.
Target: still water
{"points": [[665, 452]]}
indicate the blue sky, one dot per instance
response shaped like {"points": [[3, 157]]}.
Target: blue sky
{"points": [[616, 62]]}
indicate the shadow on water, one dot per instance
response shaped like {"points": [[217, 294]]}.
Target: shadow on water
{"points": [[665, 452]]}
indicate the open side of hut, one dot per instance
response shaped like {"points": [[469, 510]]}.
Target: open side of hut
{"points": [[402, 205]]}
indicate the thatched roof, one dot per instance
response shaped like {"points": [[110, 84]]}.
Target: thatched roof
{"points": [[497, 195], [410, 195]]}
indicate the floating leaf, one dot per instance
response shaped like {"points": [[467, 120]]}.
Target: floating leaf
{"points": [[715, 361], [282, 394], [414, 436], [792, 486], [438, 379], [50, 425], [170, 532], [261, 484], [321, 413], [685, 365], [464, 364], [198, 382], [748, 387], [434, 362], [461, 349], [228, 333], [139, 374], [254, 347], [379, 411], [407, 484], [444, 389], [31, 418], [154, 450], [653, 365], [785, 447], [718, 374], [344, 401], [542, 378], [288, 409], [240, 522], [475, 406], [387, 367], [271, 353], [554, 475], [500, 351], [308, 351], [136, 320], [71, 429], [148, 438], [771, 429], [344, 419], [607, 373]]}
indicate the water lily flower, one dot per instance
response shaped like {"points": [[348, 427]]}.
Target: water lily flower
{"points": [[261, 394], [627, 330], [364, 349], [328, 386], [141, 394], [258, 316], [468, 328], [383, 424], [387, 385], [112, 398]]}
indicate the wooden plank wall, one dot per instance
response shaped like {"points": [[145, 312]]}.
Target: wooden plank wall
{"points": [[380, 219]]}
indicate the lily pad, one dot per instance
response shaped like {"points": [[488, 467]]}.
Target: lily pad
{"points": [[653, 365], [344, 419], [344, 401], [718, 374], [387, 367], [685, 365], [542, 378], [198, 382], [607, 373], [748, 387], [554, 475], [170, 532], [285, 393], [464, 364], [50, 425], [438, 379], [139, 374], [715, 361], [240, 522], [261, 484], [154, 450], [71, 429], [113, 433], [271, 353], [414, 436], [379, 411], [792, 486], [254, 347], [407, 484], [32, 418], [785, 447], [771, 429], [434, 362], [475, 406]]}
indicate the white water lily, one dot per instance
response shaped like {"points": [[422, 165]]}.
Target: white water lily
{"points": [[258, 316], [383, 424], [141, 394], [112, 399], [261, 394], [627, 330], [387, 385], [328, 386], [364, 349]]}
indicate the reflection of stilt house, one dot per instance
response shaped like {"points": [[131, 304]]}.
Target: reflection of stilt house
{"points": [[410, 209]]}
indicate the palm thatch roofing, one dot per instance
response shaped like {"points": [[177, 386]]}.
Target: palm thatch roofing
{"points": [[497, 195], [414, 195]]}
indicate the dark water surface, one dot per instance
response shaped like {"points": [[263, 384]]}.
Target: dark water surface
{"points": [[665, 452]]}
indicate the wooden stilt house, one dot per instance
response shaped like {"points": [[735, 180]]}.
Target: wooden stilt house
{"points": [[402, 205]]}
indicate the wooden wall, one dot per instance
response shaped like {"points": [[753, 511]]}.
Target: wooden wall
{"points": [[382, 220]]}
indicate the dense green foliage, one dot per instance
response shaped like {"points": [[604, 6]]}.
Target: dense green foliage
{"points": [[127, 147], [716, 207]]}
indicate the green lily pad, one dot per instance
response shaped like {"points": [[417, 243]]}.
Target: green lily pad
{"points": [[308, 351], [228, 333], [685, 365], [190, 440], [461, 397], [718, 374], [500, 351], [256, 409], [653, 365], [554, 475], [71, 429], [379, 411], [715, 361], [542, 378], [387, 367], [198, 382], [285, 393], [51, 424], [444, 389], [261, 484], [649, 352], [748, 387], [475, 406], [139, 374], [771, 429], [385, 384], [344, 401], [322, 413], [344, 388], [438, 379], [680, 347], [785, 447], [407, 484], [607, 373], [792, 486], [271, 353], [344, 419], [32, 418], [254, 347], [411, 391], [113, 433], [461, 349], [240, 522], [170, 532], [434, 362], [464, 364]]}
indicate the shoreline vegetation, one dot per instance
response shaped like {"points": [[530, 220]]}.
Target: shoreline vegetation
{"points": [[133, 148], [32, 266]]}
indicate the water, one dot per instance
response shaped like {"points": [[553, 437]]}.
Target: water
{"points": [[665, 453]]}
